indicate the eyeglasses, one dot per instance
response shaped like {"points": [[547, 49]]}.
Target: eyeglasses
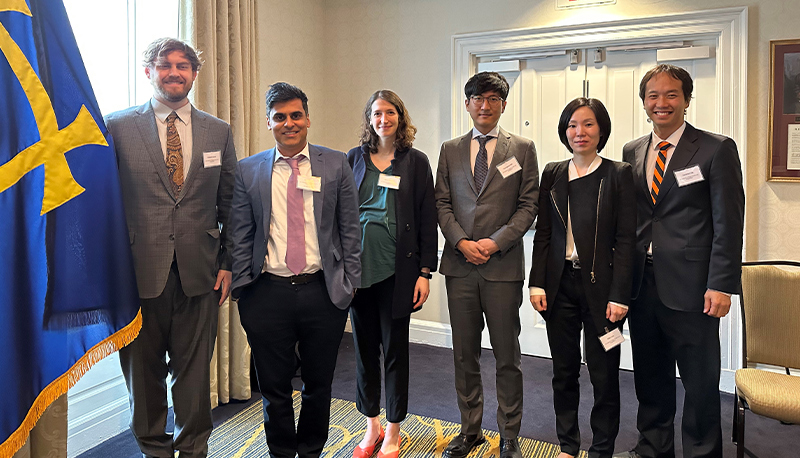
{"points": [[493, 100]]}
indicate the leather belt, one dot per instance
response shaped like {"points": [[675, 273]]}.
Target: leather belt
{"points": [[301, 279], [572, 264]]}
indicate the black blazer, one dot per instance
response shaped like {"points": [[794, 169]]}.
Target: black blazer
{"points": [[415, 212], [613, 250], [696, 229]]}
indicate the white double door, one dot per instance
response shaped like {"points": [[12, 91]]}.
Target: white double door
{"points": [[539, 92]]}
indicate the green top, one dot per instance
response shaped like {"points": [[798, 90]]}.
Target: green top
{"points": [[378, 227]]}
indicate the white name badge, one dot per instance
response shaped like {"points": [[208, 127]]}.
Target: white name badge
{"points": [[311, 183], [509, 167], [389, 181], [688, 176], [612, 339], [212, 159]]}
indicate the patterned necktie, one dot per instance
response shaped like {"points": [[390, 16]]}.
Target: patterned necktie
{"points": [[174, 157], [295, 224], [661, 165], [481, 162]]}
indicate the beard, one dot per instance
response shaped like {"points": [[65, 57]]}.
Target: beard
{"points": [[172, 96]]}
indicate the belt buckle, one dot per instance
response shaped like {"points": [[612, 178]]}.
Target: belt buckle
{"points": [[576, 264], [296, 280]]}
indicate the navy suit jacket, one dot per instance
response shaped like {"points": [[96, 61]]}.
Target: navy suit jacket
{"points": [[696, 229], [335, 214]]}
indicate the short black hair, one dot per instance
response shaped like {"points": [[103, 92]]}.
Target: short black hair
{"points": [[673, 71], [600, 114], [484, 82], [284, 92]]}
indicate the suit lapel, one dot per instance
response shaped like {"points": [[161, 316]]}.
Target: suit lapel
{"points": [[640, 167], [684, 152], [500, 152], [146, 124], [463, 157], [264, 177], [317, 170], [559, 191], [199, 132]]}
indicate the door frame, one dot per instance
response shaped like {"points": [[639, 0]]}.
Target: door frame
{"points": [[727, 25]]}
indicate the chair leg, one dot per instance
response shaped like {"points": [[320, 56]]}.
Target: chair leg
{"points": [[734, 435], [738, 426]]}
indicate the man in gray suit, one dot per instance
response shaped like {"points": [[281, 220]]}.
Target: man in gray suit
{"points": [[487, 189], [176, 167], [296, 264]]}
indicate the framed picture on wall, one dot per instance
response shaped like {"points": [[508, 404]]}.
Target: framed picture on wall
{"points": [[784, 111]]}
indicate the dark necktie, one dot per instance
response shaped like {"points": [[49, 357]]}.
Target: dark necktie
{"points": [[481, 162], [658, 173], [295, 221], [174, 157]]}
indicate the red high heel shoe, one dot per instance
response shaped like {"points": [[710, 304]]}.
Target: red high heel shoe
{"points": [[393, 454], [361, 452]]}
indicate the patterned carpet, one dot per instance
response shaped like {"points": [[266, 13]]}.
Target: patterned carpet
{"points": [[243, 436]]}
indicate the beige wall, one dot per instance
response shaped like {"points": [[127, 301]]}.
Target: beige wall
{"points": [[346, 49]]}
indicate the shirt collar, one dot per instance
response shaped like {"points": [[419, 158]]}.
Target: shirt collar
{"points": [[492, 133], [672, 139], [573, 171], [162, 111], [304, 152]]}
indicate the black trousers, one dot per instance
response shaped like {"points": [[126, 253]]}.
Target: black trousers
{"points": [[185, 328], [277, 317], [568, 315], [373, 328], [660, 337]]}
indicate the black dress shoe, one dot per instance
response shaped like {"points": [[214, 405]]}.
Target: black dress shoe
{"points": [[628, 454], [462, 444], [509, 448]]}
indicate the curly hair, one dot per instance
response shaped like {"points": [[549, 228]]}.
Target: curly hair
{"points": [[405, 129], [163, 46]]}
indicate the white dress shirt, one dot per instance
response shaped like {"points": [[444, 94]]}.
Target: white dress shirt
{"points": [[183, 125], [275, 262], [474, 146]]}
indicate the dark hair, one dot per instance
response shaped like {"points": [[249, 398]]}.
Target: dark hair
{"points": [[163, 46], [284, 92], [600, 114], [405, 129], [484, 82], [674, 72]]}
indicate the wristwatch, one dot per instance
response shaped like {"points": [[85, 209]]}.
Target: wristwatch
{"points": [[427, 275]]}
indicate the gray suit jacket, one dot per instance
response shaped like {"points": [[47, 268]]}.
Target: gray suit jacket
{"points": [[335, 214], [503, 210], [192, 227]]}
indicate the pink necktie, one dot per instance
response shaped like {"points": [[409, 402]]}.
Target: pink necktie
{"points": [[295, 225]]}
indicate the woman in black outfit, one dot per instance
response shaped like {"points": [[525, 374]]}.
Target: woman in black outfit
{"points": [[399, 252], [581, 271]]}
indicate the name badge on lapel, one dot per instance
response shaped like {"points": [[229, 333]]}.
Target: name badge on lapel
{"points": [[311, 183], [212, 159], [509, 167], [389, 181], [689, 175]]}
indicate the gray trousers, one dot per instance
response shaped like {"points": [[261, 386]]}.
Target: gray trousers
{"points": [[469, 300], [185, 328]]}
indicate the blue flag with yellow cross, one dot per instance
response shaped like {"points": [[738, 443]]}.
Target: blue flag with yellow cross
{"points": [[68, 293]]}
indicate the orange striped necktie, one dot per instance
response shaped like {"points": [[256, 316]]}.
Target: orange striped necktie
{"points": [[174, 157], [661, 165]]}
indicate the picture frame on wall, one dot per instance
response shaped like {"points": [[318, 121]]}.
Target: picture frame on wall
{"points": [[784, 111]]}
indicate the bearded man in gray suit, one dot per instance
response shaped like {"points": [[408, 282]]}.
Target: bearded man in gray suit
{"points": [[176, 166], [487, 189]]}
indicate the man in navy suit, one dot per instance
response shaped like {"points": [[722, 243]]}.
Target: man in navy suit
{"points": [[688, 257], [296, 264]]}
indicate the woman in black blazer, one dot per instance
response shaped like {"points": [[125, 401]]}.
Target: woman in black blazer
{"points": [[399, 241], [581, 271]]}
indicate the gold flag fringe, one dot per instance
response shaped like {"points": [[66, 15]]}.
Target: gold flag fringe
{"points": [[67, 380]]}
